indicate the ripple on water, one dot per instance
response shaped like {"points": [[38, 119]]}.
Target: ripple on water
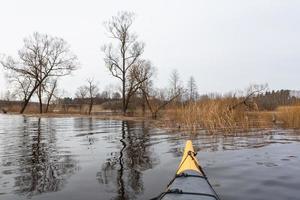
{"points": [[85, 158]]}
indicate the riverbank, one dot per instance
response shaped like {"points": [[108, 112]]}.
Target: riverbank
{"points": [[98, 116], [186, 121]]}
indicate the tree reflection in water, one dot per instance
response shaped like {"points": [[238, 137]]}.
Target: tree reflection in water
{"points": [[87, 128], [42, 166], [124, 169]]}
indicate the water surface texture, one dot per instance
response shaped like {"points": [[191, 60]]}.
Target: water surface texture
{"points": [[86, 158]]}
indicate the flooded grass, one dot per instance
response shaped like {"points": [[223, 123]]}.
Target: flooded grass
{"points": [[290, 116], [216, 116]]}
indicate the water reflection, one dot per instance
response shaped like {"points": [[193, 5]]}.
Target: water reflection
{"points": [[88, 129], [33, 159], [124, 168], [131, 160]]}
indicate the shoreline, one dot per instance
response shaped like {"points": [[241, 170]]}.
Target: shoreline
{"points": [[98, 116], [162, 123]]}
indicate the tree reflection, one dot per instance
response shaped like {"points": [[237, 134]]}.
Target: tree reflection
{"points": [[42, 167], [87, 129], [124, 169]]}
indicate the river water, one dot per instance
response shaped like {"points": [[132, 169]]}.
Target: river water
{"points": [[86, 158]]}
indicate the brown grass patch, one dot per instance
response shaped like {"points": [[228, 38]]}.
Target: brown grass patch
{"points": [[289, 115], [215, 115]]}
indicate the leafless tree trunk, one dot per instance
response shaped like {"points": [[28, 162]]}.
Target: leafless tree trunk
{"points": [[139, 74], [51, 93], [124, 56], [157, 104], [157, 101], [192, 89], [92, 91], [39, 95], [41, 57], [176, 88], [81, 95]]}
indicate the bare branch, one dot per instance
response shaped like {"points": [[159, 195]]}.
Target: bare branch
{"points": [[42, 56], [120, 59]]}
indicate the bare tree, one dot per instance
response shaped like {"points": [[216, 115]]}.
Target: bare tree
{"points": [[139, 76], [39, 93], [81, 94], [251, 92], [109, 90], [116, 95], [157, 100], [192, 89], [175, 83], [93, 90], [105, 95], [121, 58], [21, 85], [146, 88], [41, 57], [176, 88], [51, 91]]}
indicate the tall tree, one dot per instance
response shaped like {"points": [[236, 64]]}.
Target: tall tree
{"points": [[139, 76], [192, 89], [93, 90], [41, 57], [176, 88], [121, 57], [51, 91], [81, 94]]}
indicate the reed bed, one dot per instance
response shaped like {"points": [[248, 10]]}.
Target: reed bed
{"points": [[216, 115], [289, 116]]}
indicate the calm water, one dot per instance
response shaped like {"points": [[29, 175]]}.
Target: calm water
{"points": [[84, 158]]}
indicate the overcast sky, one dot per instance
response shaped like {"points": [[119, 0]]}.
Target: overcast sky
{"points": [[225, 45]]}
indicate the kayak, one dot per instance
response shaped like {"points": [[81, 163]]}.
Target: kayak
{"points": [[190, 181]]}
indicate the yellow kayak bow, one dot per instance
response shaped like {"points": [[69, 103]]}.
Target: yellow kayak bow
{"points": [[188, 161], [190, 181]]}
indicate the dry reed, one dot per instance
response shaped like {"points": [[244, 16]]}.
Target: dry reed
{"points": [[289, 115], [215, 115]]}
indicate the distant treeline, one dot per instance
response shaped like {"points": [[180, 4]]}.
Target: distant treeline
{"points": [[267, 101], [238, 113], [274, 99]]}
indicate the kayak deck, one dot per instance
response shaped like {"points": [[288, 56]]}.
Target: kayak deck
{"points": [[190, 182]]}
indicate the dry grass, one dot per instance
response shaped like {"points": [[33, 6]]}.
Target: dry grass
{"points": [[289, 115], [216, 115], [16, 107]]}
